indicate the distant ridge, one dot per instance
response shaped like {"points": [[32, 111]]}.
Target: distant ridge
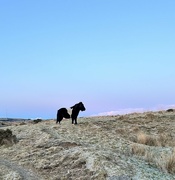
{"points": [[13, 119]]}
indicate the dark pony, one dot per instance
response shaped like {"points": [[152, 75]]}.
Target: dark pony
{"points": [[75, 111], [62, 113]]}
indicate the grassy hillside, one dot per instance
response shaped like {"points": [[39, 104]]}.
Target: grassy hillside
{"points": [[134, 146]]}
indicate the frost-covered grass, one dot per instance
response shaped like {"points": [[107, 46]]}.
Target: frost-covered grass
{"points": [[138, 146]]}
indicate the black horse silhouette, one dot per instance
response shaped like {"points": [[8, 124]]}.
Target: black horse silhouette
{"points": [[62, 113], [75, 111]]}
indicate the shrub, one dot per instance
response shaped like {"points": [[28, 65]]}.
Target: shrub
{"points": [[7, 138]]}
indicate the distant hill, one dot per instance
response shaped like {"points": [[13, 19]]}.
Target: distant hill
{"points": [[13, 119]]}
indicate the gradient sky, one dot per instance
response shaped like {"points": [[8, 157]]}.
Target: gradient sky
{"points": [[112, 55]]}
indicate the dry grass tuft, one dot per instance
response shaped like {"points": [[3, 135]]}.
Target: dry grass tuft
{"points": [[138, 150], [165, 162], [150, 140], [143, 138], [170, 163], [162, 161]]}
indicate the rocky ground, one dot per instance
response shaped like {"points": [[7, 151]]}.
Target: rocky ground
{"points": [[97, 148]]}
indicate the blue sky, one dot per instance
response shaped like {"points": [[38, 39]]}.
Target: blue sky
{"points": [[111, 55]]}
